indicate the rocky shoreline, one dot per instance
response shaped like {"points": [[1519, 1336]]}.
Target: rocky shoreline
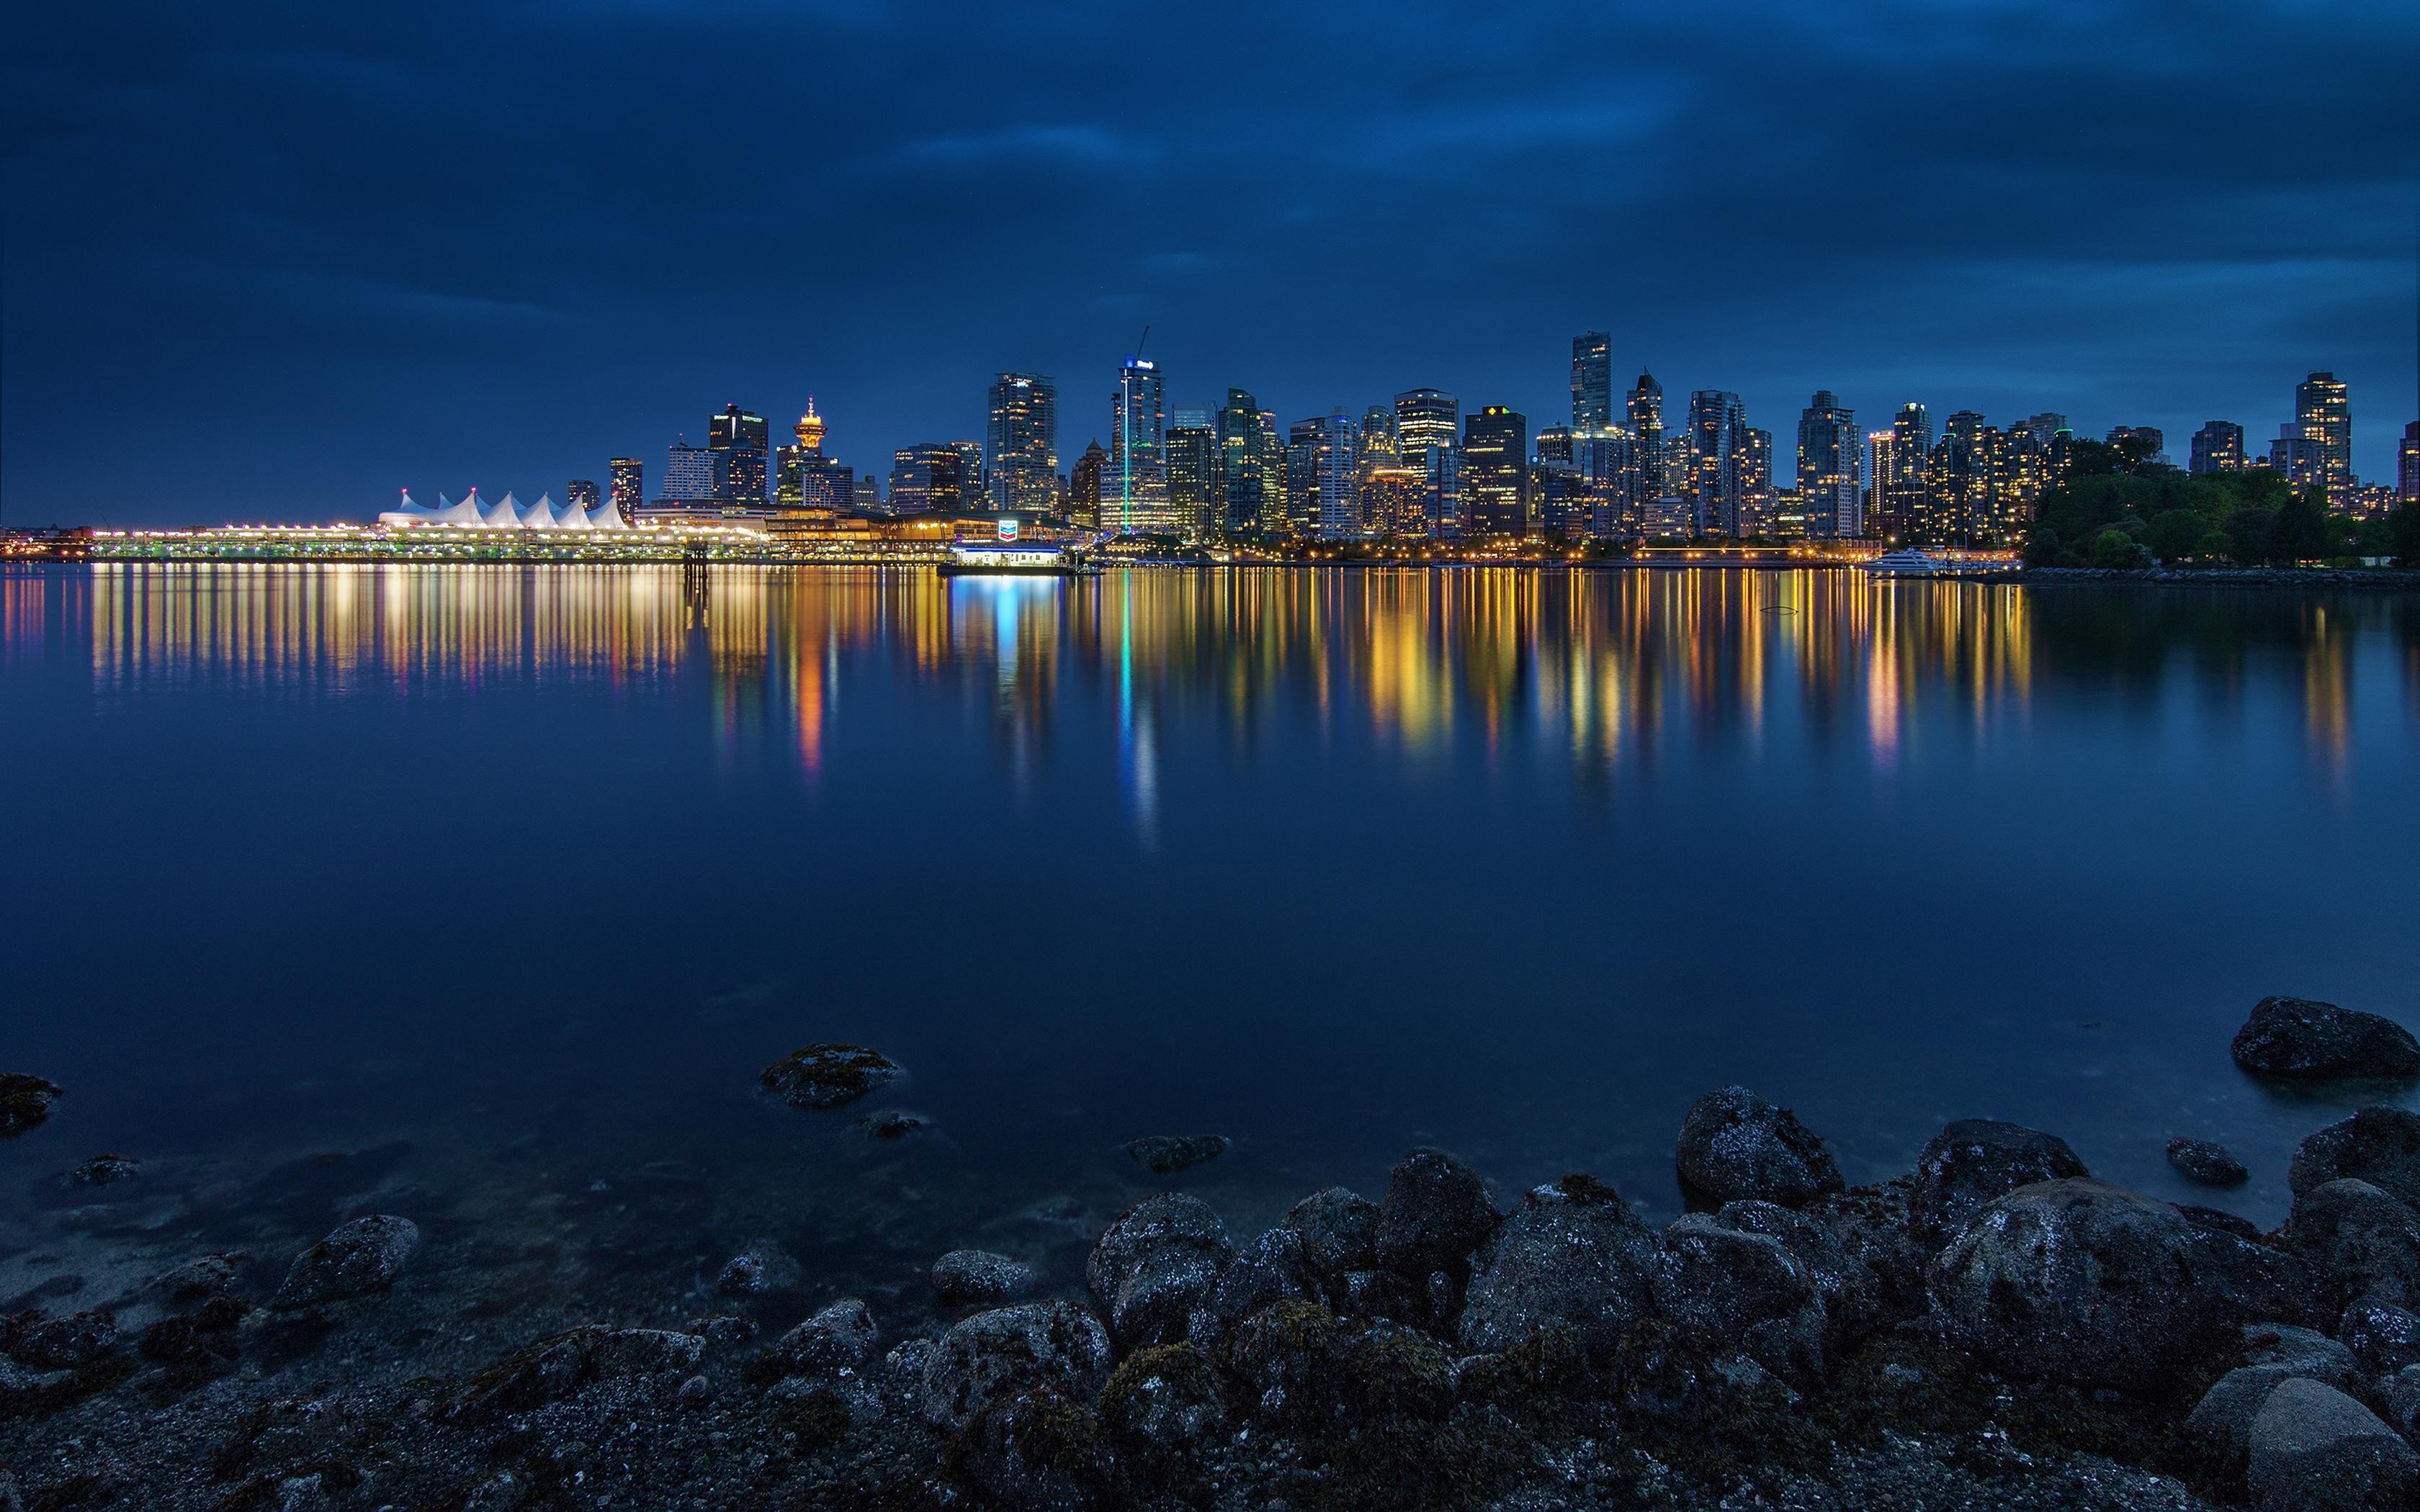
{"points": [[2392, 579], [1995, 1328]]}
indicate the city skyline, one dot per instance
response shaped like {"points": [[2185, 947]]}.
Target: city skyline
{"points": [[245, 240]]}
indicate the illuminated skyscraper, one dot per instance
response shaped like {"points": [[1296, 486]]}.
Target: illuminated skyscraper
{"points": [[928, 477], [1646, 410], [2324, 412], [1881, 468], [867, 490], [628, 478], [1907, 509], [2407, 462], [1085, 486], [2217, 448], [580, 494], [1426, 418], [1335, 507], [1135, 495], [694, 475], [1241, 479], [2300, 457], [1756, 482], [1021, 443], [1829, 450], [742, 438], [1193, 458], [1495, 471], [1717, 422], [1592, 380], [1276, 514]]}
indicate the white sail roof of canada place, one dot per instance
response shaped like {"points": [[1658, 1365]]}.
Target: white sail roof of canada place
{"points": [[506, 514]]}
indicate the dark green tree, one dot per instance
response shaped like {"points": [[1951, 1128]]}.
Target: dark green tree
{"points": [[2176, 535], [2249, 528], [2116, 548], [2302, 532]]}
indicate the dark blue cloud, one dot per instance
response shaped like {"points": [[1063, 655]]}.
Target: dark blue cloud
{"points": [[298, 255]]}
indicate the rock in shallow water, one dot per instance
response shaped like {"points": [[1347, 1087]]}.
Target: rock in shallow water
{"points": [[2086, 1284], [1164, 1154], [891, 1124], [2362, 1241], [1436, 1212], [2209, 1164], [558, 1366], [1735, 1145], [2298, 1038], [2315, 1449], [25, 1101], [2380, 1145], [1007, 1351], [1340, 1235], [829, 1076], [1584, 1262], [1977, 1160], [358, 1258], [975, 1276], [101, 1171], [756, 1270], [1154, 1265]]}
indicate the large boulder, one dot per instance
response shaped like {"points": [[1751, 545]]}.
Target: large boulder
{"points": [[1572, 1255], [993, 1356], [836, 1339], [1743, 1291], [357, 1260], [1977, 1160], [2297, 1039], [1735, 1146], [1166, 1154], [25, 1101], [1270, 1269], [1841, 1282], [1033, 1452], [2362, 1241], [829, 1076], [2273, 1352], [2380, 1145], [1436, 1212], [965, 1277], [1154, 1265], [2382, 1337], [1164, 1405], [1872, 1227], [2206, 1163], [2086, 1283], [1340, 1235], [2315, 1449]]}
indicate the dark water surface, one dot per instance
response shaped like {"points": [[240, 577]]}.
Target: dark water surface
{"points": [[517, 876]]}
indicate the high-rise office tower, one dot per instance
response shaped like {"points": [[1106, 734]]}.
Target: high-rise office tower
{"points": [[1717, 419], [1395, 501], [1380, 440], [1426, 418], [971, 474], [627, 477], [2323, 409], [928, 477], [1135, 495], [580, 494], [740, 435], [1085, 486], [1495, 471], [1829, 450], [1756, 482], [1277, 514], [1335, 509], [1592, 380], [1241, 480], [1601, 457], [2217, 448], [694, 475], [1880, 470], [1301, 475], [790, 460], [1021, 443], [1911, 473], [1644, 407], [1559, 500], [2407, 462], [867, 491], [1193, 458]]}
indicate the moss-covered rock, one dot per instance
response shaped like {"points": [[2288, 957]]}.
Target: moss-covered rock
{"points": [[25, 1101], [829, 1076]]}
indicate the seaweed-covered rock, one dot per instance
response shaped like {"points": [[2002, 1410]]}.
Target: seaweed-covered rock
{"points": [[1585, 1262], [837, 1340], [2083, 1283], [2273, 1352], [1871, 1225], [976, 1277], [1435, 1212], [355, 1261], [25, 1101], [1734, 1146], [1154, 1265], [101, 1171], [62, 1343], [1340, 1235], [1163, 1404], [1839, 1281], [1164, 1154], [1034, 1452], [1977, 1160], [2315, 1449], [1742, 1291], [1288, 1356], [2206, 1164], [1004, 1353], [2380, 1145], [558, 1366], [829, 1076], [2297, 1039], [1270, 1269], [2382, 1337]]}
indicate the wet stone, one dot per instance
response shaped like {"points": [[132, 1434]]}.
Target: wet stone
{"points": [[974, 1277], [2315, 1449], [2206, 1164], [756, 1270], [2301, 1040], [891, 1124], [2381, 1336], [1974, 1161], [1734, 1146], [2364, 1242], [208, 1275], [1166, 1154], [1436, 1212], [2379, 1144], [829, 1076], [62, 1343], [25, 1101], [1002, 1353], [357, 1260], [1154, 1265], [1585, 1263], [101, 1171]]}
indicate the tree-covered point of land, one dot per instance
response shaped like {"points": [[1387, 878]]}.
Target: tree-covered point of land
{"points": [[2115, 508]]}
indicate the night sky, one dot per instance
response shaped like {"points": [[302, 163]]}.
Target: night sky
{"points": [[276, 261]]}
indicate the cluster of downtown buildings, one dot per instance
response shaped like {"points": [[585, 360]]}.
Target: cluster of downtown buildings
{"points": [[1628, 466]]}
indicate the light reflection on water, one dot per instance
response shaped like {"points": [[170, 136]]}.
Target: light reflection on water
{"points": [[1334, 860]]}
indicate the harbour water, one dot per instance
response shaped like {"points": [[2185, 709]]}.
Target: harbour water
{"points": [[506, 882]]}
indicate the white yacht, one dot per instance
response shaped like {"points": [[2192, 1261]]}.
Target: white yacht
{"points": [[1904, 562]]}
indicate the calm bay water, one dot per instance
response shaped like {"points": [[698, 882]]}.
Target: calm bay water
{"points": [[531, 870]]}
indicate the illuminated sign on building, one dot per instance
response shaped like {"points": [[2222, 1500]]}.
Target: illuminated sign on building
{"points": [[1008, 527]]}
